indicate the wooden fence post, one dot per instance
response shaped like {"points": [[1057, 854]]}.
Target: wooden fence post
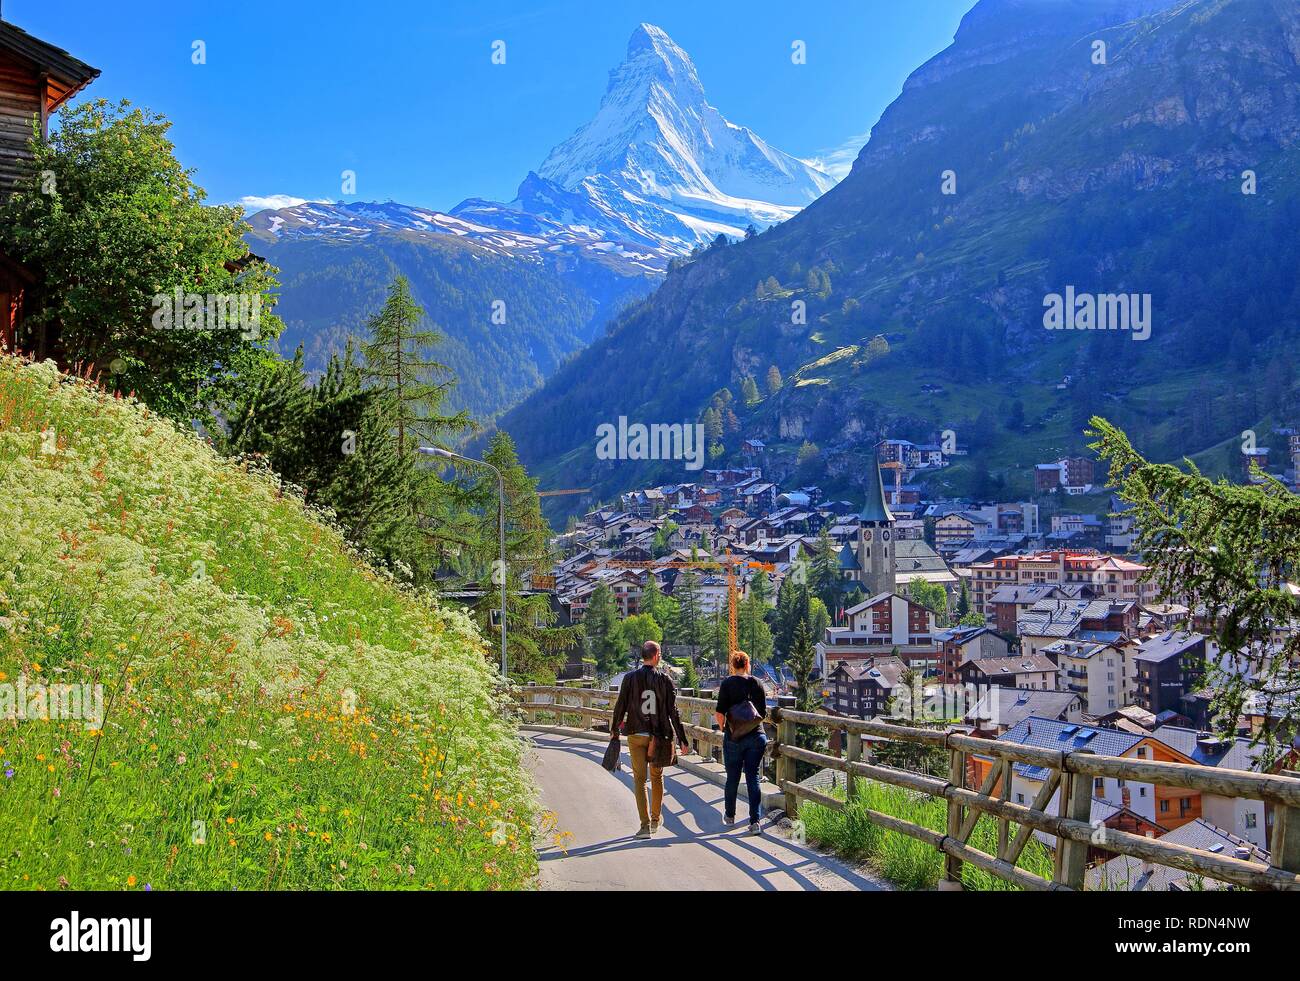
{"points": [[951, 881], [1285, 844], [785, 765], [852, 754], [1004, 794], [583, 703], [1076, 804]]}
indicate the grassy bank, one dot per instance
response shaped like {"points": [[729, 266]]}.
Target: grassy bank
{"points": [[907, 862], [276, 714]]}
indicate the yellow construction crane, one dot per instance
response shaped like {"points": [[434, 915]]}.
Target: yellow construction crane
{"points": [[729, 561], [898, 469]]}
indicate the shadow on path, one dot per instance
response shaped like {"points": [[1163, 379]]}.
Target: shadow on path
{"points": [[694, 848]]}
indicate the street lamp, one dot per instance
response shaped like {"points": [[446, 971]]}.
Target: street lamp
{"points": [[438, 451]]}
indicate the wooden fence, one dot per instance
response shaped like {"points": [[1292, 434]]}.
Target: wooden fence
{"points": [[1072, 773]]}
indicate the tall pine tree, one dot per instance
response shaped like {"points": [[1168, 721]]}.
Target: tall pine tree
{"points": [[692, 627], [603, 634], [397, 364], [803, 665]]}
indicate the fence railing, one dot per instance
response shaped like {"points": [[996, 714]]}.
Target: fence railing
{"points": [[1070, 773]]}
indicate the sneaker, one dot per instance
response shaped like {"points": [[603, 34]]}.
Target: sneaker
{"points": [[728, 819], [755, 829], [654, 828], [643, 832]]}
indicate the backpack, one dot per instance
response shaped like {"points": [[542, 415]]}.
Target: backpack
{"points": [[743, 718]]}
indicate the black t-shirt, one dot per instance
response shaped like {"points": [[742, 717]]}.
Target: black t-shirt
{"points": [[737, 689]]}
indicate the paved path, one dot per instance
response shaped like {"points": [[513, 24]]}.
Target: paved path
{"points": [[693, 849]]}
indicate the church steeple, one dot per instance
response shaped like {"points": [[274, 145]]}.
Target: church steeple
{"points": [[875, 538], [876, 509]]}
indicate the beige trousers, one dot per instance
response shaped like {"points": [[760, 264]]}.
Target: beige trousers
{"points": [[637, 747]]}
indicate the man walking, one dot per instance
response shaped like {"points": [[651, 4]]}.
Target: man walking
{"points": [[648, 699]]}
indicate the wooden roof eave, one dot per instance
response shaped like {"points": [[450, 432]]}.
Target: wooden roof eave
{"points": [[65, 75], [56, 97]]}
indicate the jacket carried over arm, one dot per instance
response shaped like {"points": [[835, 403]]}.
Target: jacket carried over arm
{"points": [[648, 700]]}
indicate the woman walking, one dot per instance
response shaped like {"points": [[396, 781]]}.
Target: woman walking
{"points": [[741, 708]]}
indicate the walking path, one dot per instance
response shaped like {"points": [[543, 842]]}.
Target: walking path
{"points": [[693, 850]]}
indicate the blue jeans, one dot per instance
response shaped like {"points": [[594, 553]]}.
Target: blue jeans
{"points": [[747, 752]]}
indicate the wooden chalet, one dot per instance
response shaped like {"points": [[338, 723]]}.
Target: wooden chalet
{"points": [[36, 78]]}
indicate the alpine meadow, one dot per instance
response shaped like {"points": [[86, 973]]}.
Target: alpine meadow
{"points": [[540, 454]]}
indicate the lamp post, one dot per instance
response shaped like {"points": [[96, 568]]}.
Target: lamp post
{"points": [[438, 451]]}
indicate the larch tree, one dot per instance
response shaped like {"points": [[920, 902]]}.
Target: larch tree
{"points": [[397, 363], [1231, 554], [803, 665], [603, 634], [774, 381]]}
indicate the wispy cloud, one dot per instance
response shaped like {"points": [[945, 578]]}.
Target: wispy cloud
{"points": [[838, 161], [253, 203]]}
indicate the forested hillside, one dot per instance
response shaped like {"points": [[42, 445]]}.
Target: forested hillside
{"points": [[545, 311], [1114, 146]]}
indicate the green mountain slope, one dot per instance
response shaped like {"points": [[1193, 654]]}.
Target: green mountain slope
{"points": [[330, 288], [273, 713], [1122, 177]]}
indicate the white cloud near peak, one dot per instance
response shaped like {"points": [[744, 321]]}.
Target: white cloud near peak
{"points": [[253, 203], [838, 161]]}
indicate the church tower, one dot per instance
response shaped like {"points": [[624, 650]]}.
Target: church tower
{"points": [[876, 538]]}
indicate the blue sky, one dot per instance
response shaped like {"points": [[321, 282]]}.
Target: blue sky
{"points": [[404, 92]]}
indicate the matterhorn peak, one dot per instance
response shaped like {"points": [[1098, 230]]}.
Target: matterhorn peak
{"points": [[657, 145], [654, 63], [650, 41]]}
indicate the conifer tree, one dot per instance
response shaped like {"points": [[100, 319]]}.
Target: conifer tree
{"points": [[803, 665], [332, 441], [397, 364], [963, 601], [691, 625], [774, 381], [603, 635], [752, 632], [824, 570]]}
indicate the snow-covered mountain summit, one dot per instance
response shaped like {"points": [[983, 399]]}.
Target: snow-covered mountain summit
{"points": [[657, 171], [656, 139]]}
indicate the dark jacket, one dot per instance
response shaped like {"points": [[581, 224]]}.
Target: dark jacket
{"points": [[648, 699]]}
